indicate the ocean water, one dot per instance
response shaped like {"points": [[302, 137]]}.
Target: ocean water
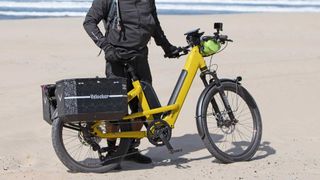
{"points": [[17, 9]]}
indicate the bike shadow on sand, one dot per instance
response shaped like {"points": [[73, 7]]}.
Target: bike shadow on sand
{"points": [[189, 143]]}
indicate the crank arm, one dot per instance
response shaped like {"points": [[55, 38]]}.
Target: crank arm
{"points": [[168, 145]]}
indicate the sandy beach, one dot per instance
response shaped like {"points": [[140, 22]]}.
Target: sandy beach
{"points": [[277, 55]]}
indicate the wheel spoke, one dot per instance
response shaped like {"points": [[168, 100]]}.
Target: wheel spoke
{"points": [[74, 149], [71, 141], [242, 134]]}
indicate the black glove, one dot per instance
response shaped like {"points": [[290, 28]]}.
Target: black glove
{"points": [[110, 53], [171, 52], [118, 54]]}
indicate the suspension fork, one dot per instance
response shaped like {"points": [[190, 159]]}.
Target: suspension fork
{"points": [[216, 80]]}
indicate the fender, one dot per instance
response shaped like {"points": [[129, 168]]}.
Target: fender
{"points": [[200, 103]]}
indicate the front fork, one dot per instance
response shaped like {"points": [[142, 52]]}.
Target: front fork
{"points": [[214, 79]]}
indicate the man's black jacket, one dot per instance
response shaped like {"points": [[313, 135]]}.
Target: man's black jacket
{"points": [[139, 24]]}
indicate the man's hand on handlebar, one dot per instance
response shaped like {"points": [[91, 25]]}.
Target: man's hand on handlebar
{"points": [[178, 51], [172, 52]]}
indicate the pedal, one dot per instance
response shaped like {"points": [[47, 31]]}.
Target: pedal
{"points": [[175, 151], [168, 145]]}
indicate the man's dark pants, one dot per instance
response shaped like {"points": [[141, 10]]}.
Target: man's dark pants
{"points": [[142, 71]]}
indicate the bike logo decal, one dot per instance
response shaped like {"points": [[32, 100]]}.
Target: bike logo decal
{"points": [[95, 96]]}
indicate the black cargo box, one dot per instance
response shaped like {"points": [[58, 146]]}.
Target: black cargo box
{"points": [[92, 99], [49, 102]]}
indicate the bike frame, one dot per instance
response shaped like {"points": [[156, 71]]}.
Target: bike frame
{"points": [[194, 62]]}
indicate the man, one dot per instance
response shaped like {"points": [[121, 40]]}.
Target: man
{"points": [[129, 25]]}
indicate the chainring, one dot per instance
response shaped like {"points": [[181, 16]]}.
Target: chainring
{"points": [[155, 129]]}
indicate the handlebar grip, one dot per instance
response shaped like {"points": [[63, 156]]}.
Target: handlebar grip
{"points": [[223, 37]]}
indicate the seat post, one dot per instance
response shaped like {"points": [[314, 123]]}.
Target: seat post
{"points": [[131, 72]]}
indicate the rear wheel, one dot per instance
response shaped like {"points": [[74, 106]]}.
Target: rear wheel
{"points": [[230, 140], [81, 151]]}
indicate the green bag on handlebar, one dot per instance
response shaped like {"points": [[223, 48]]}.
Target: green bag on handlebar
{"points": [[209, 47]]}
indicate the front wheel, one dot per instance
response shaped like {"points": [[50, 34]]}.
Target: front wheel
{"points": [[230, 137]]}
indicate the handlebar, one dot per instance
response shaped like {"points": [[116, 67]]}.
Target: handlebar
{"points": [[224, 38], [181, 51], [217, 37]]}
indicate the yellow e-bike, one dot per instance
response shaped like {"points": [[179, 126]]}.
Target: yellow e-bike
{"points": [[227, 116]]}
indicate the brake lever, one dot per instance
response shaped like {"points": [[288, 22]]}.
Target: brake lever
{"points": [[182, 54], [184, 51]]}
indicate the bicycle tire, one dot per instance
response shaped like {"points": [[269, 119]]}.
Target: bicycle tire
{"points": [[76, 166], [211, 139]]}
